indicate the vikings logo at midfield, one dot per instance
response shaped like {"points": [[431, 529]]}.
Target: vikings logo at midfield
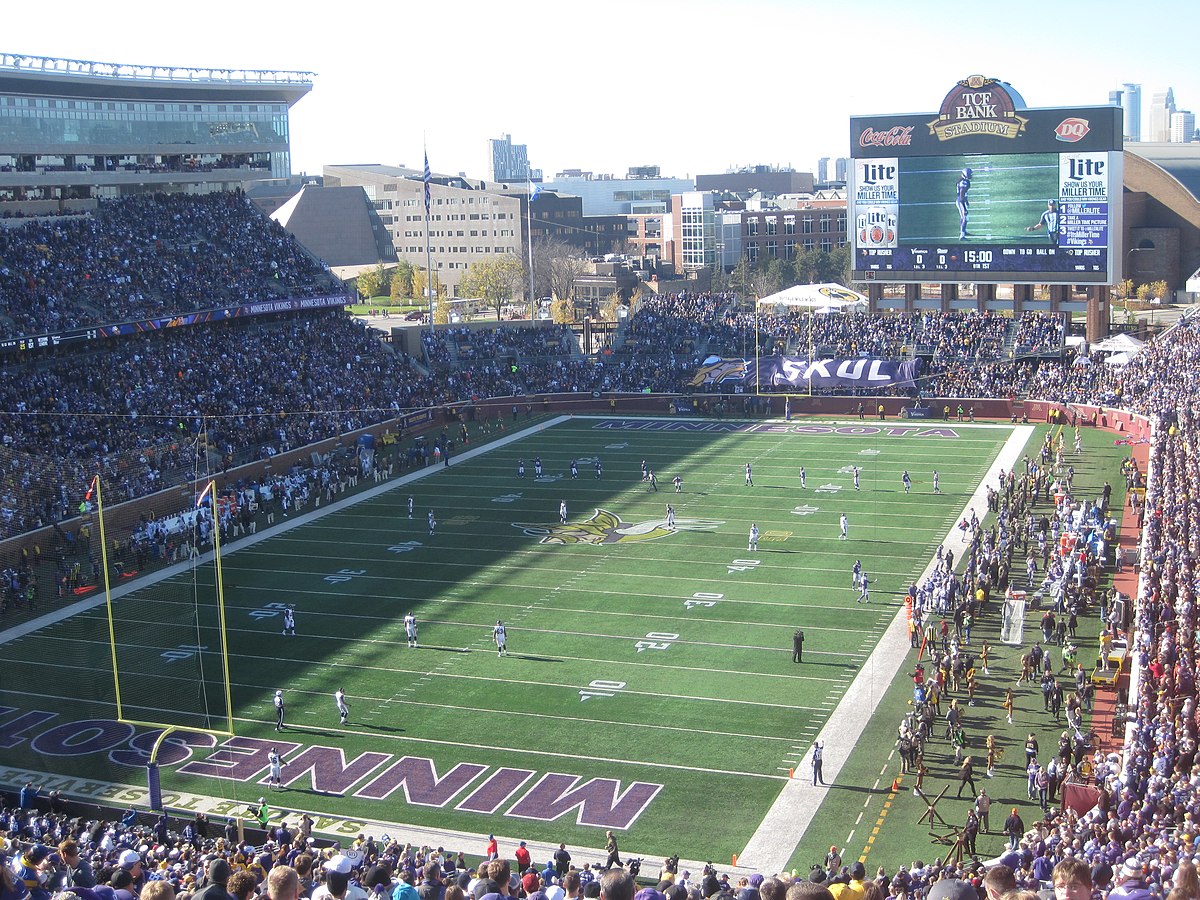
{"points": [[605, 527]]}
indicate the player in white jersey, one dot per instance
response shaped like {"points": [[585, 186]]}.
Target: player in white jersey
{"points": [[749, 476], [670, 517], [599, 469], [936, 481], [752, 544], [562, 511], [856, 471], [803, 478], [432, 522], [410, 507], [845, 525], [410, 629], [343, 708], [500, 636], [678, 482], [537, 467], [289, 622], [906, 480], [276, 764]]}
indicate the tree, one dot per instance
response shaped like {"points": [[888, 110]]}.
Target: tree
{"points": [[441, 310], [556, 265], [494, 280], [402, 276], [608, 309], [562, 311], [368, 283], [1123, 290], [1159, 289], [418, 287]]}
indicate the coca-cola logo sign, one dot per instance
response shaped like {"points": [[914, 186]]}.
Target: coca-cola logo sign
{"points": [[898, 136], [1071, 130]]}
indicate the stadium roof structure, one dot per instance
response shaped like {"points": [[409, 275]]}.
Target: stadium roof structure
{"points": [[51, 76], [1169, 172]]}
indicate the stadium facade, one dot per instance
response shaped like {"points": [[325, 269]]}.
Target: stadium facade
{"points": [[74, 131]]}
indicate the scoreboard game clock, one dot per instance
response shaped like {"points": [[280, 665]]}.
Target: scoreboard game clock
{"points": [[986, 190]]}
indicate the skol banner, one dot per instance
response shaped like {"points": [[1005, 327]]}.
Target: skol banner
{"points": [[818, 374]]}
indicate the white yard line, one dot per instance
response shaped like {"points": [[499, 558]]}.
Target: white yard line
{"points": [[776, 839], [65, 612]]}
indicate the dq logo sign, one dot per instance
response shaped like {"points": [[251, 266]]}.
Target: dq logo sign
{"points": [[1071, 130]]}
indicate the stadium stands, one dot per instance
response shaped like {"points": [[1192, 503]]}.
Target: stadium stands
{"points": [[153, 408]]}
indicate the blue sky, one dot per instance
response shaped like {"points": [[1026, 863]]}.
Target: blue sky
{"points": [[693, 86]]}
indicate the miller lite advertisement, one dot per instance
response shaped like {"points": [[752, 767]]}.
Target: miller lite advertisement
{"points": [[986, 190], [876, 194]]}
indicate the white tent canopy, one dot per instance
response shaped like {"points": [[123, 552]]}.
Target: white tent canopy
{"points": [[820, 297], [1119, 343]]}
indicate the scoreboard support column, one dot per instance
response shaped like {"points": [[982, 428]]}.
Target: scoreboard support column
{"points": [[1098, 313]]}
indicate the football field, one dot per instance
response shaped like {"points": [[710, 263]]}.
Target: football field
{"points": [[1007, 194], [649, 674]]}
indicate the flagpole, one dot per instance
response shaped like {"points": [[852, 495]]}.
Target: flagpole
{"points": [[428, 264], [529, 233]]}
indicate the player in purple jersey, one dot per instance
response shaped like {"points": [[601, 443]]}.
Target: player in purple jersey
{"points": [[963, 204]]}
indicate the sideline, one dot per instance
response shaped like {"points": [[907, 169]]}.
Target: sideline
{"points": [[98, 599], [773, 843]]}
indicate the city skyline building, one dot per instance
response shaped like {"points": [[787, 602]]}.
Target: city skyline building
{"points": [[1183, 127], [1131, 103], [509, 162], [1162, 107]]}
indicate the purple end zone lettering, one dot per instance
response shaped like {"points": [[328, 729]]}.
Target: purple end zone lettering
{"points": [[82, 737], [11, 732], [597, 801], [900, 430], [490, 796], [330, 772], [857, 430], [812, 429], [174, 750], [772, 429], [238, 759], [938, 432], [623, 424], [422, 787]]}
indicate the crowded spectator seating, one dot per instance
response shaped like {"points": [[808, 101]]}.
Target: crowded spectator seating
{"points": [[144, 256], [156, 408]]}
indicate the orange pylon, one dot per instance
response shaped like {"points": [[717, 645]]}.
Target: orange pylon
{"points": [[791, 773], [734, 860], [895, 785]]}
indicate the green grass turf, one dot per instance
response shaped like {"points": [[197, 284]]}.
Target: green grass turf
{"points": [[1008, 192], [717, 715], [868, 821]]}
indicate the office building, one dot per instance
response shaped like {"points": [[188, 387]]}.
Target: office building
{"points": [[604, 195], [509, 162], [757, 179], [1131, 104], [1183, 127], [1162, 107]]}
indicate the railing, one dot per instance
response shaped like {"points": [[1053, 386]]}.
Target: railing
{"points": [[51, 65]]}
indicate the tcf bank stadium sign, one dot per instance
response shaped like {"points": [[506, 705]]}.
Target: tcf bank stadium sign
{"points": [[977, 105]]}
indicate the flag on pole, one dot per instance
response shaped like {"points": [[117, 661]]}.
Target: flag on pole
{"points": [[428, 177], [534, 191], [204, 493]]}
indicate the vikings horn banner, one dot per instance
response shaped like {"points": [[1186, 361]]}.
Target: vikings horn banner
{"points": [[818, 374]]}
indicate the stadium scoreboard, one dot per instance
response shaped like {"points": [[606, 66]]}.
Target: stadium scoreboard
{"points": [[986, 190]]}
